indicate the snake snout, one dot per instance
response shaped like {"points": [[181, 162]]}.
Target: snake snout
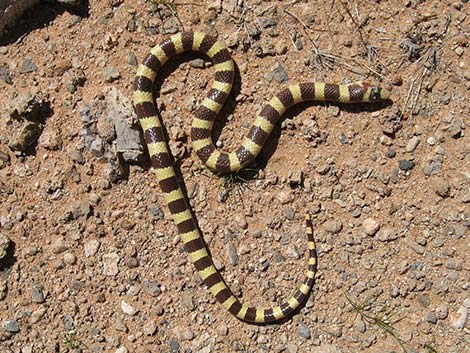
{"points": [[384, 94], [377, 94]]}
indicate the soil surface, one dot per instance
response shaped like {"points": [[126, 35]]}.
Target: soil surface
{"points": [[90, 260]]}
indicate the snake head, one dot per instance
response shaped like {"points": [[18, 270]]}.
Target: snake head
{"points": [[364, 92], [375, 93]]}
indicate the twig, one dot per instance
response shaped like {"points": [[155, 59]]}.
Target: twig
{"points": [[304, 25], [358, 28]]}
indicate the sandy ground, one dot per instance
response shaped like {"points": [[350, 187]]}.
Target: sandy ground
{"points": [[90, 260]]}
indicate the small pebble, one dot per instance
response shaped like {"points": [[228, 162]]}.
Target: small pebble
{"points": [[443, 189], [459, 322], [431, 318], [69, 258], [442, 312], [222, 329], [152, 288], [128, 309], [174, 345], [333, 227], [11, 326], [111, 73], [28, 66], [371, 226], [390, 153], [37, 314], [197, 63], [91, 247], [110, 264], [304, 331], [405, 165], [279, 74], [412, 144], [4, 245], [232, 254], [38, 293], [150, 328], [285, 196]]}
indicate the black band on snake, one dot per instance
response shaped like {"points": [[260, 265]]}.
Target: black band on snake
{"points": [[201, 135]]}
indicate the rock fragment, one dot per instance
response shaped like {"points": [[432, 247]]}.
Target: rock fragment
{"points": [[28, 66], [110, 264], [91, 247], [459, 322], [371, 226], [128, 309], [25, 120], [11, 326], [5, 75], [333, 226], [405, 165], [4, 245], [303, 331], [111, 73]]}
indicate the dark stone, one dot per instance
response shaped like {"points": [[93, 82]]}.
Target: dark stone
{"points": [[405, 165], [28, 66], [5, 75]]}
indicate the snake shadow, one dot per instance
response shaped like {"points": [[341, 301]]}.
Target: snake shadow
{"points": [[40, 16], [7, 261]]}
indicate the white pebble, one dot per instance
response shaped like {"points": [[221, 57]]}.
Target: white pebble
{"points": [[110, 264], [371, 226], [91, 247], [460, 322], [127, 308], [412, 144], [69, 258]]}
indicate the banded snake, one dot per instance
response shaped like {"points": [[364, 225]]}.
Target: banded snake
{"points": [[201, 135]]}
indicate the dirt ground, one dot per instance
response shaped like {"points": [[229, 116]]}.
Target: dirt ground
{"points": [[90, 260]]}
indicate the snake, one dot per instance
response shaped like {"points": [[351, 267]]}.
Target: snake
{"points": [[163, 164]]}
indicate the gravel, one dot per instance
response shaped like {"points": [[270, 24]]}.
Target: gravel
{"points": [[5, 75], [371, 226], [405, 165], [4, 245], [38, 293], [442, 312], [110, 264], [412, 144], [128, 309], [303, 331], [111, 73], [232, 254], [431, 318], [28, 66], [11, 326], [333, 226]]}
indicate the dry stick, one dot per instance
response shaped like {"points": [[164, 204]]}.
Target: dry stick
{"points": [[363, 42], [170, 6], [181, 3], [305, 28], [414, 97], [317, 52], [418, 91], [332, 57]]}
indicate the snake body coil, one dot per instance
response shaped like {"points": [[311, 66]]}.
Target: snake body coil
{"points": [[201, 135]]}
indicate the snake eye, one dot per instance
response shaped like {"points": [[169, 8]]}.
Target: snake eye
{"points": [[374, 94]]}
